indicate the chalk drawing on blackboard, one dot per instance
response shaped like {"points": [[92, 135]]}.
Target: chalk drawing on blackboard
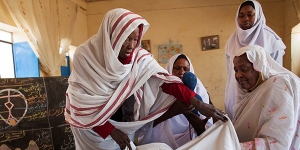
{"points": [[68, 142], [11, 97], [31, 146], [10, 136]]}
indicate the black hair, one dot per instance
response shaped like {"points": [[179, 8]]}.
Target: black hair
{"points": [[246, 3], [181, 56]]}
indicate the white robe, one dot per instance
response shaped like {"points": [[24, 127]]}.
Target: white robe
{"points": [[259, 34], [268, 117]]}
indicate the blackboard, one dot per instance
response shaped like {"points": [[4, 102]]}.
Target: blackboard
{"points": [[32, 114]]}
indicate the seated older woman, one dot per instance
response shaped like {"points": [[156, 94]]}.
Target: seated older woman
{"points": [[266, 115]]}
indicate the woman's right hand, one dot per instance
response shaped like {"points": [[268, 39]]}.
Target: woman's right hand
{"points": [[121, 138], [208, 110]]}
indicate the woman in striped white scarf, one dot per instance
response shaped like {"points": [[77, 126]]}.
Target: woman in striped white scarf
{"points": [[116, 87]]}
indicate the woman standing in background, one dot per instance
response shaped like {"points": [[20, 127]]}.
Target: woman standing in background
{"points": [[251, 29]]}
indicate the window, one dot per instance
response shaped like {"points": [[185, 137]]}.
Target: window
{"points": [[6, 55], [5, 36]]}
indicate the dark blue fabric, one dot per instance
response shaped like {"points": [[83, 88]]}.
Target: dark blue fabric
{"points": [[190, 80]]}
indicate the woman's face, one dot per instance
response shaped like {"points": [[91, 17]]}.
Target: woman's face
{"points": [[246, 17], [129, 44], [245, 74], [180, 67]]}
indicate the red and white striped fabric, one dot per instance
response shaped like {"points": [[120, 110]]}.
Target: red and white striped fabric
{"points": [[100, 83]]}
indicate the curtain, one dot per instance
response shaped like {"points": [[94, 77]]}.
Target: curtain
{"points": [[48, 25]]}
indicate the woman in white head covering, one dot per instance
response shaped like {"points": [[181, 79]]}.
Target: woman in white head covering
{"points": [[177, 131], [250, 29], [116, 87], [267, 109]]}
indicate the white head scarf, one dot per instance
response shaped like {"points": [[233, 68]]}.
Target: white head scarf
{"points": [[175, 131], [265, 64], [100, 83], [199, 89], [259, 34]]}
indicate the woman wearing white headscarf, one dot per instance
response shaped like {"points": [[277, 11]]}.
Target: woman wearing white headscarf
{"points": [[250, 29], [267, 110], [177, 131], [116, 87]]}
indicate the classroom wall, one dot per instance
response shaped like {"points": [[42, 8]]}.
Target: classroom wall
{"points": [[292, 35], [185, 22], [295, 50]]}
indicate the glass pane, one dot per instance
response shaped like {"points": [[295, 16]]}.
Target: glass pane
{"points": [[6, 61], [5, 36]]}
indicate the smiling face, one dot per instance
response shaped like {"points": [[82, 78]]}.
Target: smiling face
{"points": [[129, 44], [246, 17], [180, 67], [245, 74]]}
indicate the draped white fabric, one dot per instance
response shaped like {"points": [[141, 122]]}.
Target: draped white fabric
{"points": [[220, 136], [259, 34], [154, 146], [268, 117], [48, 25]]}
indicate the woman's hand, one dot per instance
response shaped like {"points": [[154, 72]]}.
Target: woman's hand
{"points": [[197, 123], [179, 107], [121, 138], [208, 110]]}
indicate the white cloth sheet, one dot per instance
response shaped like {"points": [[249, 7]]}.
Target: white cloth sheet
{"points": [[220, 136], [154, 146]]}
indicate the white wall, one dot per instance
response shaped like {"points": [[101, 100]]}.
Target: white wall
{"points": [[295, 49]]}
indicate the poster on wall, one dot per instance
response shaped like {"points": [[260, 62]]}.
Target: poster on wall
{"points": [[165, 52]]}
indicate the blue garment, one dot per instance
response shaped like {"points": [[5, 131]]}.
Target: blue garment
{"points": [[190, 80]]}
